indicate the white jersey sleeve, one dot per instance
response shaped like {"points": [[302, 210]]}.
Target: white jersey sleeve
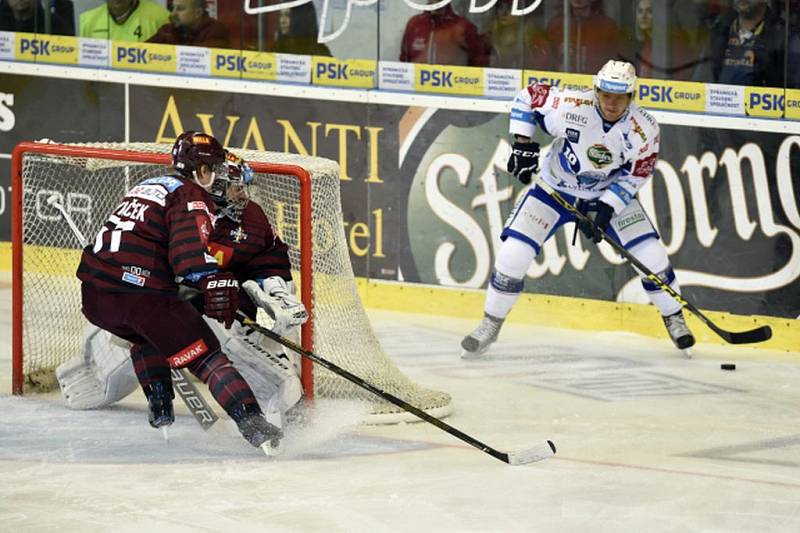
{"points": [[530, 108], [640, 153]]}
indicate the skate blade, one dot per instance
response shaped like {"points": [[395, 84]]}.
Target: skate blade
{"points": [[165, 433], [271, 448], [467, 355], [687, 353]]}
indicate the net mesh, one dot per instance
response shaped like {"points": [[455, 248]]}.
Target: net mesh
{"points": [[89, 188]]}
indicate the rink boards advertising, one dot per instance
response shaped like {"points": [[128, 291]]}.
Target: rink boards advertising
{"points": [[425, 194], [384, 75]]}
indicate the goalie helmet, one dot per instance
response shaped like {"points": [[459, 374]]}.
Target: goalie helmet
{"points": [[193, 149], [616, 77], [230, 188]]}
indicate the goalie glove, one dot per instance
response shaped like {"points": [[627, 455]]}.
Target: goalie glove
{"points": [[524, 161], [279, 303]]}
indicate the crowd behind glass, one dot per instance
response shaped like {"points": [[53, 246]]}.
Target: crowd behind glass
{"points": [[739, 42]]}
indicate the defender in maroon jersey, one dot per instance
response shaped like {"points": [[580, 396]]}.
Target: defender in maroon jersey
{"points": [[155, 238]]}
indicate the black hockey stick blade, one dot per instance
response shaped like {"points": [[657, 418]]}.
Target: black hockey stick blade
{"points": [[759, 334], [537, 453]]}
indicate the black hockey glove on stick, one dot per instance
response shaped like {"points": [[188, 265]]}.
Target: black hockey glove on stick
{"points": [[599, 213], [524, 161], [537, 453]]}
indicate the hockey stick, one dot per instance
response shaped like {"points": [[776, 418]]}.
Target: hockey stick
{"points": [[759, 334], [195, 401], [537, 453]]}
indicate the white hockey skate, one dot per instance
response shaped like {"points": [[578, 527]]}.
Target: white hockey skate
{"points": [[679, 333], [482, 337]]}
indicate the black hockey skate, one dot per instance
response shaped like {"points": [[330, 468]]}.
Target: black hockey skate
{"points": [[679, 332], [159, 401], [256, 429]]}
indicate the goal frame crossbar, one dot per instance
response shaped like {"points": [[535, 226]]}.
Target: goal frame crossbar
{"points": [[22, 149]]}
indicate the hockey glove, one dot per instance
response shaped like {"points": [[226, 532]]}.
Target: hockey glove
{"points": [[220, 297], [278, 301], [598, 212], [524, 161]]}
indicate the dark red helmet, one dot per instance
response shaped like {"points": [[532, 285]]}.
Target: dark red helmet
{"points": [[192, 149]]}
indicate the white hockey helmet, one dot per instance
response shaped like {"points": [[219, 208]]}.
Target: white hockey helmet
{"points": [[616, 77]]}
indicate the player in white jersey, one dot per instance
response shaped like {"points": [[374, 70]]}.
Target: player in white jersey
{"points": [[605, 150]]}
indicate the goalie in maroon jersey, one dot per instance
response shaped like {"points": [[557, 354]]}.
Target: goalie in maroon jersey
{"points": [[243, 242], [157, 235]]}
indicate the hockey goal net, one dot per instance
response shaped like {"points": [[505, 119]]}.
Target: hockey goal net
{"points": [[300, 196]]}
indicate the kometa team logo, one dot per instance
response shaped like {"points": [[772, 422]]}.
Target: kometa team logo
{"points": [[599, 155]]}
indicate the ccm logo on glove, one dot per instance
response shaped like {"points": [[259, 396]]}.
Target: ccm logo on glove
{"points": [[524, 161]]}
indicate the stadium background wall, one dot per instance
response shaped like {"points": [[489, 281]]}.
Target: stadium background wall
{"points": [[424, 195]]}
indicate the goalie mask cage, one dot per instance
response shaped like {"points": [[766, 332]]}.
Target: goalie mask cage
{"points": [[299, 194]]}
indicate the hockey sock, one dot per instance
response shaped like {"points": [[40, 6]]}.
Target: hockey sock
{"points": [[227, 386], [653, 255], [149, 364], [507, 281]]}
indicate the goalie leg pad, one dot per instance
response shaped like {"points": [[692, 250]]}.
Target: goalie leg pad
{"points": [[100, 376], [263, 364]]}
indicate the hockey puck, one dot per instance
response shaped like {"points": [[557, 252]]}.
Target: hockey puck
{"points": [[727, 366]]}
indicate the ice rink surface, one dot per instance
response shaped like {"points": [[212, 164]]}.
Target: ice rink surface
{"points": [[647, 441]]}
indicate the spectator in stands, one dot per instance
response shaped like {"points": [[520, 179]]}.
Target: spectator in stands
{"points": [[191, 25], [746, 47], [123, 20], [512, 37], [593, 38], [29, 16], [638, 48], [443, 37], [298, 31]]}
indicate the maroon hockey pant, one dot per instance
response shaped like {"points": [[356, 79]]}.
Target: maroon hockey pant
{"points": [[161, 326]]}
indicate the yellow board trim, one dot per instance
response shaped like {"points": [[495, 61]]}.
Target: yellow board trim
{"points": [[5, 256], [533, 309], [568, 312]]}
